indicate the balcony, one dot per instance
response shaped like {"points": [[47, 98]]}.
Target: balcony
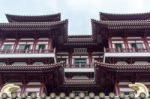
{"points": [[126, 52], [26, 53]]}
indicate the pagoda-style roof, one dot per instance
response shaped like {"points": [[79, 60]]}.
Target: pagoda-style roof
{"points": [[118, 17], [124, 67], [40, 18], [134, 24], [29, 68], [15, 26]]}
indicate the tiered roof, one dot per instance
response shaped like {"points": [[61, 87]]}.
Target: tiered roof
{"points": [[118, 17], [15, 26], [41, 18], [117, 22]]}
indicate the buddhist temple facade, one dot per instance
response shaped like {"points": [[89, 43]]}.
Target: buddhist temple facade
{"points": [[37, 54]]}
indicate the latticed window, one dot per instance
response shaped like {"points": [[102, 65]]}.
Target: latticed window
{"points": [[7, 46], [41, 46], [118, 45], [80, 50], [24, 46], [136, 45]]}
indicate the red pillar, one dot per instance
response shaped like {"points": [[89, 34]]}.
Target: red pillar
{"points": [[70, 59], [34, 44], [90, 59], [126, 43], [110, 42], [50, 44], [16, 44], [146, 43]]}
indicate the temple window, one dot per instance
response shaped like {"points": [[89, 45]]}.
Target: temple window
{"points": [[80, 50], [7, 46], [24, 46], [118, 45], [42, 45], [137, 45]]}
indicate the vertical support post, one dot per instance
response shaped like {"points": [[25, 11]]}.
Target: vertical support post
{"points": [[146, 43], [34, 44], [90, 59], [70, 59], [110, 42], [15, 45], [50, 44]]}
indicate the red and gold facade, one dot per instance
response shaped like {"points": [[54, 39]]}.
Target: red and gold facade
{"points": [[37, 53]]}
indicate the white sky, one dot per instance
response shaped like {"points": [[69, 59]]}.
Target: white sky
{"points": [[79, 12]]}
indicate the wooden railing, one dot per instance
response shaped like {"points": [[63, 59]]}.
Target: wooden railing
{"points": [[79, 66], [18, 51], [125, 50]]}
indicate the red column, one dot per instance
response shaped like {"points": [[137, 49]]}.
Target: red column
{"points": [[110, 42], [126, 43], [90, 59], [1, 43], [146, 43], [50, 44], [70, 59], [15, 45], [35, 44]]}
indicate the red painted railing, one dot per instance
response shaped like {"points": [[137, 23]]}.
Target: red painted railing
{"points": [[125, 50], [2, 51], [79, 66]]}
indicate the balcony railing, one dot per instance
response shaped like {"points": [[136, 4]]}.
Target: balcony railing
{"points": [[79, 66], [125, 50], [28, 51]]}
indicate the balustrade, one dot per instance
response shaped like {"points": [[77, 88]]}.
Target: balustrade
{"points": [[125, 50], [18, 51]]}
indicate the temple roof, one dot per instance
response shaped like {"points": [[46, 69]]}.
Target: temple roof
{"points": [[134, 24], [28, 68], [40, 18], [30, 25], [124, 67], [113, 17]]}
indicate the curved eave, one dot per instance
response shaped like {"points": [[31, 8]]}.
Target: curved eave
{"points": [[31, 25], [113, 17], [40, 18], [135, 24], [124, 67], [29, 68]]}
